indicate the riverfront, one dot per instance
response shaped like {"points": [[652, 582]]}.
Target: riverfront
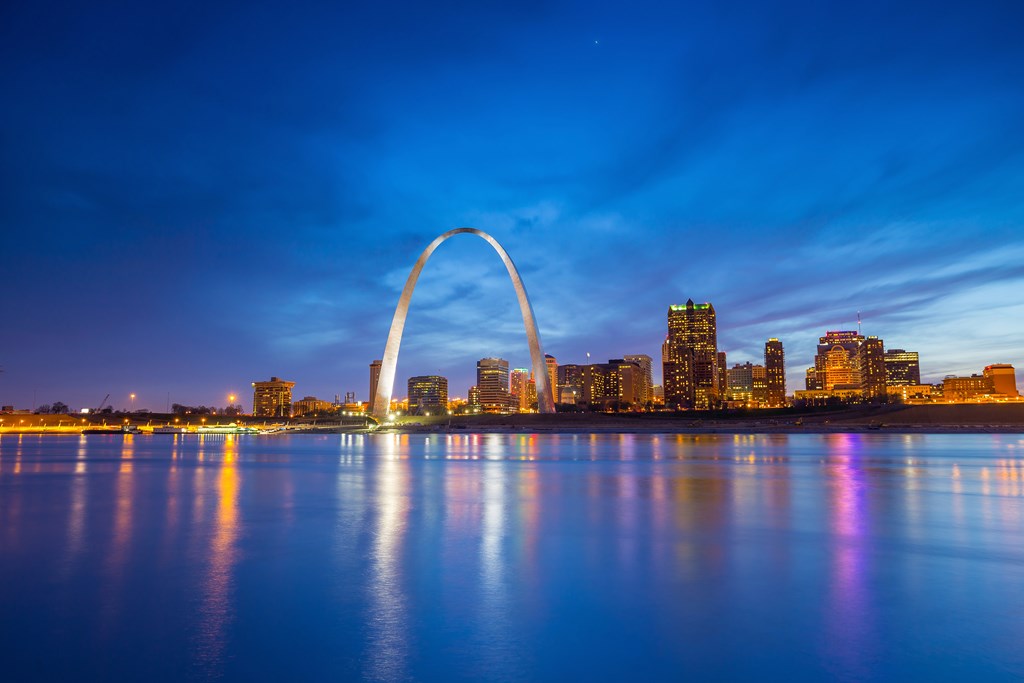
{"points": [[512, 557]]}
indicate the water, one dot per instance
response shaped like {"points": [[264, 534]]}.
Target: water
{"points": [[512, 557]]}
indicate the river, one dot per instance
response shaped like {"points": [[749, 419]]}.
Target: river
{"points": [[512, 557]]}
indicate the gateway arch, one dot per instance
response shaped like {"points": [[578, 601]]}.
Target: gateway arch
{"points": [[386, 382]]}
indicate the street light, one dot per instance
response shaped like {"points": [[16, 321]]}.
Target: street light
{"points": [[133, 401]]}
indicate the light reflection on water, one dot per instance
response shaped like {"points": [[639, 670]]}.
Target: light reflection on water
{"points": [[521, 556]]}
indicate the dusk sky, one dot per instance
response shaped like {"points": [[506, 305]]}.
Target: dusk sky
{"points": [[199, 196]]}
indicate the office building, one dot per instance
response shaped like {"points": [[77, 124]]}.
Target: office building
{"points": [[775, 371], [740, 383], [552, 366], [428, 394], [311, 406], [492, 383], [273, 398], [759, 383], [647, 380], [837, 364], [374, 379], [723, 374], [691, 365], [902, 368], [871, 361], [518, 379], [1002, 378]]}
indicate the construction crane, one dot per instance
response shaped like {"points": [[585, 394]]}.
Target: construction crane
{"points": [[102, 403]]}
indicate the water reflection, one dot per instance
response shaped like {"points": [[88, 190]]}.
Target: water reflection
{"points": [[388, 627], [848, 628], [216, 608]]}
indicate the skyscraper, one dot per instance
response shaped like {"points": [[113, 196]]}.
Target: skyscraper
{"points": [[775, 370], [428, 394], [902, 368], [374, 378], [723, 375], [273, 398], [691, 366], [492, 385], [517, 387], [837, 363], [647, 382], [871, 361], [552, 366]]}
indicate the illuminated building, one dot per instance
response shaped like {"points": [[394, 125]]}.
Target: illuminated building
{"points": [[910, 393], [775, 373], [552, 366], [374, 379], [627, 382], [273, 398], [811, 381], [311, 405], [647, 380], [759, 378], [902, 368], [837, 363], [1002, 379], [518, 379], [492, 383], [691, 362], [723, 374], [965, 389], [871, 360], [428, 394], [740, 383], [658, 394], [473, 399]]}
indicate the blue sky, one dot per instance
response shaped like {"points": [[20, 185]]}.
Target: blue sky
{"points": [[196, 196]]}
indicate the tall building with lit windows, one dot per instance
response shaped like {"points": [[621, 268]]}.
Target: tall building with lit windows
{"points": [[552, 367], [643, 395], [492, 384], [428, 394], [518, 380], [871, 362], [691, 357], [902, 368], [837, 363], [775, 372], [273, 398]]}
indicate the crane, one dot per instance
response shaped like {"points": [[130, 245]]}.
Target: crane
{"points": [[102, 403]]}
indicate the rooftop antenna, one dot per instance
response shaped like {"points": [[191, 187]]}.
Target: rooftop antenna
{"points": [[858, 322]]}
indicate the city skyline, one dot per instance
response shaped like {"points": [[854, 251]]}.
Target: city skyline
{"points": [[183, 215]]}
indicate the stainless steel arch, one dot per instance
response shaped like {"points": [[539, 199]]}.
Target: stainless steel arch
{"points": [[386, 382]]}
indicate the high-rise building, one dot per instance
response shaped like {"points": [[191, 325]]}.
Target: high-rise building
{"points": [[902, 368], [627, 382], [473, 399], [775, 370], [759, 380], [740, 380], [723, 375], [552, 366], [1002, 378], [492, 383], [273, 398], [517, 387], [837, 363], [871, 361], [374, 379], [691, 368], [428, 394], [645, 362], [811, 380]]}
